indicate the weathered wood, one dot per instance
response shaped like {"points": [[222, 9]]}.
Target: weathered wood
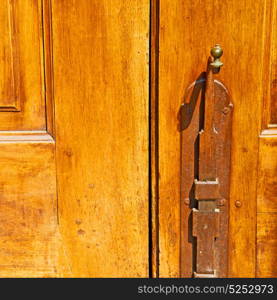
{"points": [[267, 169], [100, 86], [28, 207], [101, 113], [267, 179], [266, 245], [22, 89], [187, 31]]}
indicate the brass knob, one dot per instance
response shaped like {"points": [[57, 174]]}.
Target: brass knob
{"points": [[216, 53]]}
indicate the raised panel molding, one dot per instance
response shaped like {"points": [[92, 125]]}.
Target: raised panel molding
{"points": [[273, 71], [22, 65], [30, 242], [25, 136], [266, 241], [270, 70], [267, 176], [266, 245], [9, 65]]}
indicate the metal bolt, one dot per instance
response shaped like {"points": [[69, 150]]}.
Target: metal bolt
{"points": [[238, 203], [226, 110], [221, 202], [187, 201]]}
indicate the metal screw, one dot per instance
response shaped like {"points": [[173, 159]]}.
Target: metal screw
{"points": [[187, 201], [222, 202], [226, 110], [238, 203]]}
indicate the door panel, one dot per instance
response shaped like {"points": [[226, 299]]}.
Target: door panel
{"points": [[84, 177], [267, 182], [22, 99], [28, 218], [267, 206], [27, 157], [187, 31], [100, 69], [266, 245], [267, 192], [74, 138]]}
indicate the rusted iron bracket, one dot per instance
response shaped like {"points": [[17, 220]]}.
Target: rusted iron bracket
{"points": [[206, 227], [206, 175]]}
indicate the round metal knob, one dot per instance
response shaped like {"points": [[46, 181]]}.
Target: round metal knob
{"points": [[216, 53]]}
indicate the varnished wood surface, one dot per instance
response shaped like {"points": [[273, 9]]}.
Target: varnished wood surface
{"points": [[188, 29], [28, 209], [267, 169], [22, 90], [267, 206], [48, 66], [270, 69], [96, 223], [266, 245], [9, 68], [101, 87], [267, 178]]}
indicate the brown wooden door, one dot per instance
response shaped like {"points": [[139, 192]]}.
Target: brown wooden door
{"points": [[90, 139], [74, 138], [185, 33]]}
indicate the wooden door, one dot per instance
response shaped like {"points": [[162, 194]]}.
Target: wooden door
{"points": [[74, 138], [184, 33], [90, 135]]}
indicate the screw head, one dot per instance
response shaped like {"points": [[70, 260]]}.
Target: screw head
{"points": [[226, 110], [222, 202], [238, 203], [187, 201]]}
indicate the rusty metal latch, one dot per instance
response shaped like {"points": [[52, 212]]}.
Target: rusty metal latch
{"points": [[211, 185], [206, 227]]}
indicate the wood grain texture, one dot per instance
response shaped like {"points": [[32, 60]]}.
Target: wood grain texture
{"points": [[267, 170], [48, 66], [188, 29], [100, 67], [270, 66], [266, 245], [22, 91], [28, 208], [273, 64], [9, 68], [267, 178]]}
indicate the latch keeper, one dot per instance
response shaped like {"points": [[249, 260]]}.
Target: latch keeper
{"points": [[206, 190]]}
